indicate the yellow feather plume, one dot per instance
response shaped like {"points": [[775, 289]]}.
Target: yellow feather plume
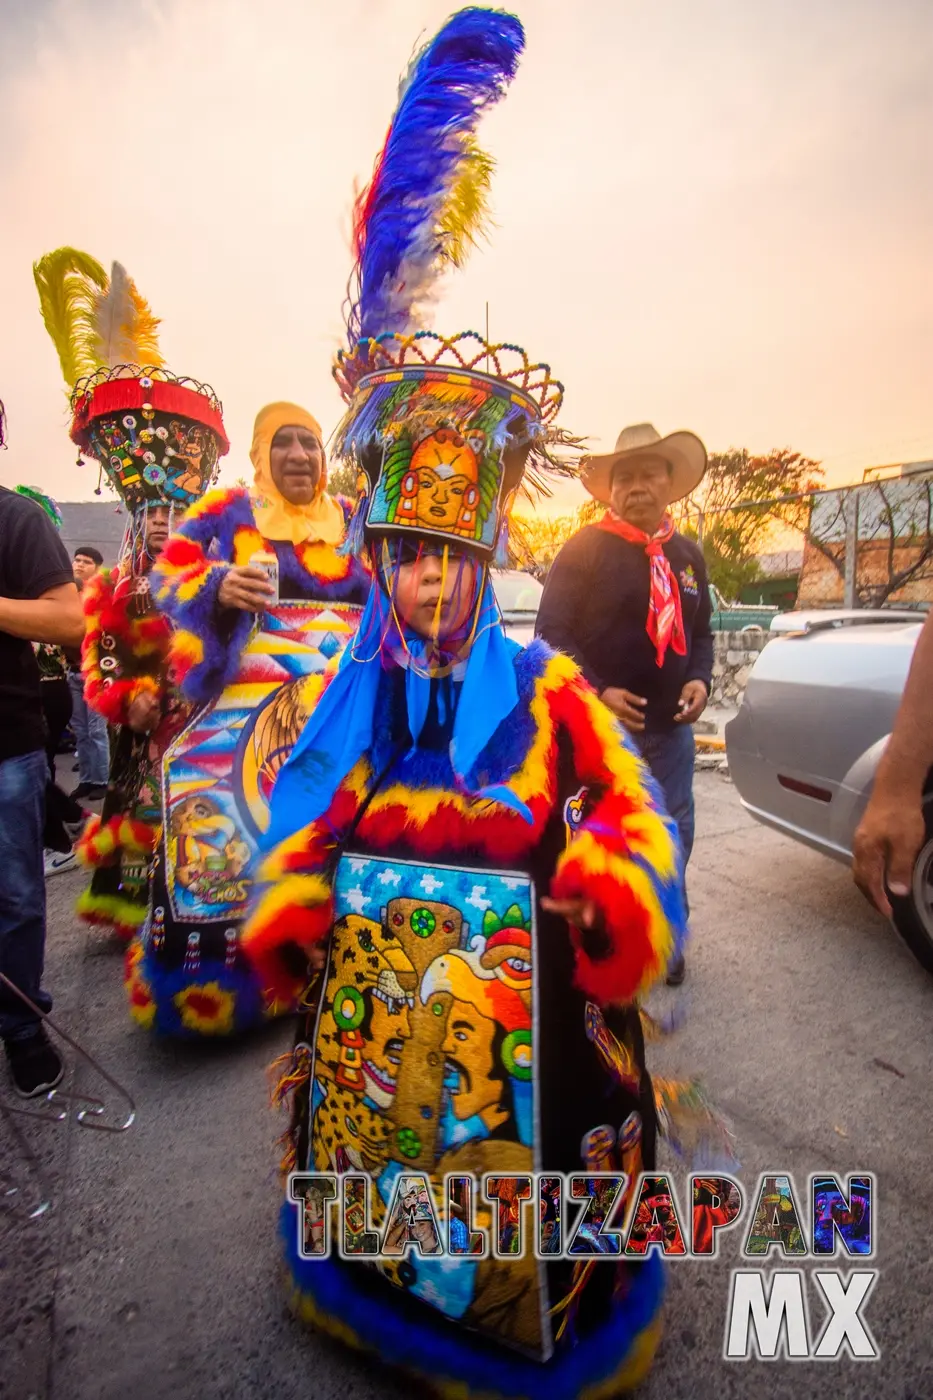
{"points": [[465, 214], [69, 283], [125, 330]]}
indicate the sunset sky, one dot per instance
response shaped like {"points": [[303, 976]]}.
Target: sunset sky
{"points": [[716, 215]]}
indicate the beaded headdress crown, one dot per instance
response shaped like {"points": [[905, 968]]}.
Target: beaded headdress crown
{"points": [[444, 428], [157, 437]]}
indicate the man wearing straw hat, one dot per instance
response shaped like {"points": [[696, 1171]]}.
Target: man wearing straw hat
{"points": [[628, 599]]}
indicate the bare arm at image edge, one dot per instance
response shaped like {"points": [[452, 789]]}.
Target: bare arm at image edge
{"points": [[892, 829], [55, 617]]}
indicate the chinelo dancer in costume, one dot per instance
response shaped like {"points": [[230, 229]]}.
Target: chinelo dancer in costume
{"points": [[249, 651], [157, 439], [461, 838], [205, 580]]}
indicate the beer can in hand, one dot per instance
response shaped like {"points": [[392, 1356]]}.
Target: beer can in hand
{"points": [[268, 562]]}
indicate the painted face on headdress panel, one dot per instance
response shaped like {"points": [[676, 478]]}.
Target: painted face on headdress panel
{"points": [[150, 456], [443, 436]]}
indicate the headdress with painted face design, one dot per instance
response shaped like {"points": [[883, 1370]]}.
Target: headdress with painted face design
{"points": [[157, 437], [445, 429]]}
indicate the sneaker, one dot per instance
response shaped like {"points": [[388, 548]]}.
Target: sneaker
{"points": [[35, 1065], [56, 862], [677, 972]]}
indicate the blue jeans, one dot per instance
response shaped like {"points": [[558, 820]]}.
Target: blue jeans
{"points": [[22, 890], [670, 755], [90, 731]]}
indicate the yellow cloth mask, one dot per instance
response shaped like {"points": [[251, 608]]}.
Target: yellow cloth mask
{"points": [[321, 520]]}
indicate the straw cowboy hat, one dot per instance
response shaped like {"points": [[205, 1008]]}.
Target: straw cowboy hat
{"points": [[684, 451]]}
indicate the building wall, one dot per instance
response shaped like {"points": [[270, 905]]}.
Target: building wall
{"points": [[734, 655], [821, 585]]}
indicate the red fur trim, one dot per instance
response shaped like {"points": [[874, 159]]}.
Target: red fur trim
{"points": [[607, 821], [617, 977], [118, 395], [488, 828], [141, 645], [296, 925], [181, 553], [569, 707]]}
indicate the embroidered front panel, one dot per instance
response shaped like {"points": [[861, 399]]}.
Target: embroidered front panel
{"points": [[424, 1062], [443, 435], [218, 775]]}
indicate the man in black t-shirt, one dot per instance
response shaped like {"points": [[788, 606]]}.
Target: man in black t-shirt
{"points": [[38, 603], [628, 599]]}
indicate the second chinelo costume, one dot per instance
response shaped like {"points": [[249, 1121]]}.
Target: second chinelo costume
{"points": [[443, 790], [248, 677], [157, 439]]}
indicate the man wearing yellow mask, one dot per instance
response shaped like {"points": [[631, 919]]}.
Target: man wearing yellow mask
{"points": [[206, 582], [260, 598]]}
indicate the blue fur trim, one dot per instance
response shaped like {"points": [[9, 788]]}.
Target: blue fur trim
{"points": [[417, 1338], [165, 983]]}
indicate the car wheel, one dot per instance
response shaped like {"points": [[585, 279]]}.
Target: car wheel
{"points": [[913, 917]]}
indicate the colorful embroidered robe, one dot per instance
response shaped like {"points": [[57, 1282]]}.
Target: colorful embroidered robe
{"points": [[459, 1027]]}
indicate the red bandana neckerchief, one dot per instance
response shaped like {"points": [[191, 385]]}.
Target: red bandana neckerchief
{"points": [[665, 618]]}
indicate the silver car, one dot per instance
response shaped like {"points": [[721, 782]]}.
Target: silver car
{"points": [[519, 597], [804, 747]]}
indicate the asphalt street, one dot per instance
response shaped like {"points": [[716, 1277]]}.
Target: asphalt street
{"points": [[155, 1273]]}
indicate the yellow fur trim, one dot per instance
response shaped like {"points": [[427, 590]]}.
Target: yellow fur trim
{"points": [[216, 1021], [247, 541], [324, 561], [303, 839], [110, 907], [301, 891], [208, 504], [634, 1368], [187, 649], [191, 587]]}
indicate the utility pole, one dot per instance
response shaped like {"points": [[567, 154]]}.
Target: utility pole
{"points": [[851, 576]]}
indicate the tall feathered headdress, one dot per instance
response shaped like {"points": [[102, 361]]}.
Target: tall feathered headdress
{"points": [[156, 436], [428, 199], [426, 205], [96, 322]]}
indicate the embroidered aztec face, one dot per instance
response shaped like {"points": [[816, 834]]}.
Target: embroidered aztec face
{"points": [[434, 443], [487, 1032], [150, 456], [365, 1024]]}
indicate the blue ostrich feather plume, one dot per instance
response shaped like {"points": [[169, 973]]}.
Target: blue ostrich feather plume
{"points": [[426, 201]]}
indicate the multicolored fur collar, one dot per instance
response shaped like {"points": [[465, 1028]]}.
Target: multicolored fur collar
{"points": [[624, 857]]}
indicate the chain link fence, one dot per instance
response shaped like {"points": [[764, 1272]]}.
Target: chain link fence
{"points": [[867, 545]]}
